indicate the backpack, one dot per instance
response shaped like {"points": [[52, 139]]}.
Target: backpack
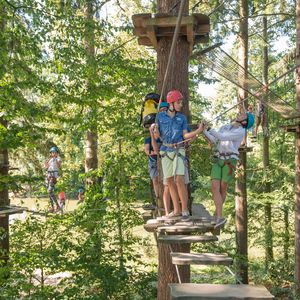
{"points": [[149, 109]]}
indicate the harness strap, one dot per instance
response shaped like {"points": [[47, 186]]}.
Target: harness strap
{"points": [[230, 165]]}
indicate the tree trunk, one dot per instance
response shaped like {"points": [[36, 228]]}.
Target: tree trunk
{"points": [[91, 144], [178, 79], [297, 162], [266, 155], [4, 167], [241, 190]]}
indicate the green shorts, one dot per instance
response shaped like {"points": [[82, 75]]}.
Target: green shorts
{"points": [[172, 163], [223, 169]]}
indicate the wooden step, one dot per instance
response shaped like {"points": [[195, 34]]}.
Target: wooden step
{"points": [[200, 259], [193, 291], [186, 239], [184, 228]]}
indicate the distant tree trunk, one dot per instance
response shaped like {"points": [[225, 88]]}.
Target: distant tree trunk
{"points": [[266, 155], [241, 189], [297, 162], [178, 79], [91, 143], [286, 240], [4, 167]]}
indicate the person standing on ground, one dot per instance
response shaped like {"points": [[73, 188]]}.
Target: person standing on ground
{"points": [[52, 165]]}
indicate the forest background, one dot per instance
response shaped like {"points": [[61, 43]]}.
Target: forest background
{"points": [[73, 75]]}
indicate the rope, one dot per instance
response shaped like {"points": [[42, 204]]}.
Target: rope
{"points": [[171, 55]]}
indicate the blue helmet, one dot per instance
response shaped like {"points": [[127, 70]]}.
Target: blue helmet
{"points": [[163, 104], [53, 149], [250, 120], [80, 191]]}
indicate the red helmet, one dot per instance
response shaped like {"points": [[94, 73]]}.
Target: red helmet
{"points": [[174, 96]]}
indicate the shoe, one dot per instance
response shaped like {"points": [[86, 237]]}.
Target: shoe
{"points": [[149, 207], [185, 216], [171, 216]]}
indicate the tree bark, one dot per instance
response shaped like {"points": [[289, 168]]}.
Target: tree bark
{"points": [[91, 143], [4, 167], [297, 162], [178, 79], [241, 189], [266, 154]]}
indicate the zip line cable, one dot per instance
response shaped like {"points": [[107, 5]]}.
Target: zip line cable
{"points": [[226, 66]]}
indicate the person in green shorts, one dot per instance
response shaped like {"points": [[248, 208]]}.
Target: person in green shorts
{"points": [[227, 141]]}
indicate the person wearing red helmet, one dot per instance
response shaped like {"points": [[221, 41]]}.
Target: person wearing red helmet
{"points": [[173, 130]]}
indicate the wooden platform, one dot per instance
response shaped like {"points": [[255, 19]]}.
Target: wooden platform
{"points": [[186, 239], [192, 291], [200, 259], [149, 28], [10, 210]]}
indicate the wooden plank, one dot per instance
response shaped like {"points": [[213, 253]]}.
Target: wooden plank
{"points": [[202, 29], [290, 128], [185, 228], [144, 41], [182, 239], [139, 19], [199, 210], [193, 291], [152, 35], [201, 259], [140, 31], [7, 210], [201, 18], [169, 21]]}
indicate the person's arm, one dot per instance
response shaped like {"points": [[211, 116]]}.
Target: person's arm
{"points": [[154, 143], [193, 134], [58, 161], [231, 135]]}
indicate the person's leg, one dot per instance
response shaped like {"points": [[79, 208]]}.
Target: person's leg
{"points": [[223, 190], [167, 199], [217, 196], [182, 192], [174, 195], [155, 186]]}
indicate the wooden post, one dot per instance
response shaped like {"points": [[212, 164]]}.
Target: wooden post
{"points": [[241, 189], [297, 162], [178, 79]]}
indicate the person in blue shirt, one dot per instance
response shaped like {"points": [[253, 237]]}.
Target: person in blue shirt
{"points": [[172, 128]]}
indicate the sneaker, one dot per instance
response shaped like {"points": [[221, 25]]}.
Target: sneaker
{"points": [[149, 207], [171, 215], [185, 216]]}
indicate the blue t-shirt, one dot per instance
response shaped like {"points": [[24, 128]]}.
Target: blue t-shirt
{"points": [[148, 141], [171, 129]]}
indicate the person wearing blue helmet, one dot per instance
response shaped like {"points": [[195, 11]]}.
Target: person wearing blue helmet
{"points": [[52, 165], [151, 148], [226, 142], [80, 196]]}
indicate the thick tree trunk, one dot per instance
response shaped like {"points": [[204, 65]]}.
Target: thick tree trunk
{"points": [[91, 144], [241, 189], [4, 167], [178, 75], [266, 155], [297, 163], [178, 79]]}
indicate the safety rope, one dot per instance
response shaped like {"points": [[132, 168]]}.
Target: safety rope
{"points": [[172, 50]]}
